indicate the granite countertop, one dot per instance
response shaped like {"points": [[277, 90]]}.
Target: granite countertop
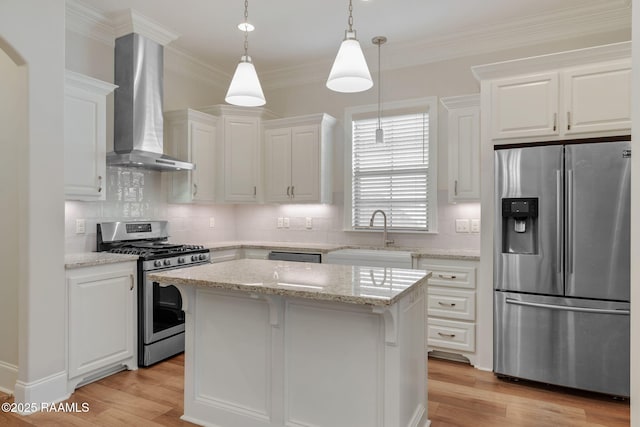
{"points": [[324, 248], [374, 286], [87, 259]]}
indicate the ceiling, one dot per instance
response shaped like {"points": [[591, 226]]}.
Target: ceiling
{"points": [[294, 34]]}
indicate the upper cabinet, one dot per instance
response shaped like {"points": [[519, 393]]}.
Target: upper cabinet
{"points": [[297, 159], [567, 95], [191, 136], [85, 136], [239, 152], [463, 131]]}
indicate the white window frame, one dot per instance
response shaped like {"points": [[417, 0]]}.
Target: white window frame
{"points": [[420, 105]]}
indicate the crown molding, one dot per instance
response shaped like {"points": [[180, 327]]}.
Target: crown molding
{"points": [[461, 101], [184, 64], [131, 21], [89, 22]]}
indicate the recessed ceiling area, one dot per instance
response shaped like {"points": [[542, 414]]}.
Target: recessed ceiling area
{"points": [[291, 34]]}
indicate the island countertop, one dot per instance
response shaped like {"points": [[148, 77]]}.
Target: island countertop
{"points": [[375, 286]]}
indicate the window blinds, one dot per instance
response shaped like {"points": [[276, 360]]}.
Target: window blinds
{"points": [[393, 175]]}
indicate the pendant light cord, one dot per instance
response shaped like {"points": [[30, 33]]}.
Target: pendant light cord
{"points": [[246, 31], [379, 90], [350, 21]]}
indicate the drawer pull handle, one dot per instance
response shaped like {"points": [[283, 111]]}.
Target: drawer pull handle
{"points": [[446, 335], [447, 304], [447, 276]]}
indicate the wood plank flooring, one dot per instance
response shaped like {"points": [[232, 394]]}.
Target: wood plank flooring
{"points": [[459, 396]]}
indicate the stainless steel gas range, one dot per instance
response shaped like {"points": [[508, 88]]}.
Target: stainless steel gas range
{"points": [[160, 314]]}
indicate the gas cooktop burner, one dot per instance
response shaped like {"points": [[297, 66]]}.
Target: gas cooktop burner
{"points": [[148, 249]]}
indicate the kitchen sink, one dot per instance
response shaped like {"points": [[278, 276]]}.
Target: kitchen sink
{"points": [[369, 257]]}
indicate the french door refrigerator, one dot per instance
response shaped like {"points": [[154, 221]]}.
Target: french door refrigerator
{"points": [[561, 265]]}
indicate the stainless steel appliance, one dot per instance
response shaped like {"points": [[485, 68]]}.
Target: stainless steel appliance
{"points": [[561, 265], [160, 314]]}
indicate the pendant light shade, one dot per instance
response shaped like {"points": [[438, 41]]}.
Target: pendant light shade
{"points": [[349, 72], [245, 89]]}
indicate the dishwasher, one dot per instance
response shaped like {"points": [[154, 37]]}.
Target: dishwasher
{"points": [[295, 256]]}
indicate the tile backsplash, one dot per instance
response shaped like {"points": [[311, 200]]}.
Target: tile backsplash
{"points": [[138, 194]]}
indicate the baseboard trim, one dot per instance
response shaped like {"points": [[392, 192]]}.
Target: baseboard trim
{"points": [[8, 377], [51, 389]]}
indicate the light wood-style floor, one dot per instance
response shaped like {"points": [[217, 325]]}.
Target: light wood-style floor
{"points": [[459, 395]]}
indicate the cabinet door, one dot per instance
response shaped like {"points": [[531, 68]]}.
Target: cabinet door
{"points": [[277, 165], [305, 164], [203, 146], [101, 318], [242, 159], [525, 106], [464, 154], [598, 98], [85, 116]]}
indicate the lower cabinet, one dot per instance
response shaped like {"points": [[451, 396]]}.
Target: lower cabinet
{"points": [[101, 321], [451, 307]]}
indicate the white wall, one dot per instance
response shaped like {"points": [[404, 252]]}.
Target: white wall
{"points": [[13, 122], [35, 30]]}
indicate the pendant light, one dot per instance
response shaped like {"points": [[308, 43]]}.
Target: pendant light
{"points": [[245, 89], [349, 72], [379, 40]]}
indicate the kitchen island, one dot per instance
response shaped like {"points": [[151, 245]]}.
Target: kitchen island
{"points": [[276, 343]]}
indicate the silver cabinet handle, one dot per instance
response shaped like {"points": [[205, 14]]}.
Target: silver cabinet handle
{"points": [[555, 121], [131, 277], [289, 191], [293, 195], [447, 276], [255, 191], [99, 184], [565, 307], [568, 120], [446, 304], [446, 335], [195, 188], [455, 187]]}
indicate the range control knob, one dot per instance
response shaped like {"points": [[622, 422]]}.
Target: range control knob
{"points": [[167, 262], [181, 260], [202, 257], [194, 257], [157, 263]]}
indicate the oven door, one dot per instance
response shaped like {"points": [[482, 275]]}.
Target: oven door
{"points": [[162, 310]]}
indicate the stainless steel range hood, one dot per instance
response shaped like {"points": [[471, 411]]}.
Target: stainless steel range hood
{"points": [[138, 133]]}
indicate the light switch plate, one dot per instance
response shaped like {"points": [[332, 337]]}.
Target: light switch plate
{"points": [[309, 223], [212, 222], [280, 222], [475, 225], [462, 225], [285, 222], [80, 226]]}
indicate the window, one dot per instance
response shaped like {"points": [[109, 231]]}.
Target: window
{"points": [[397, 175]]}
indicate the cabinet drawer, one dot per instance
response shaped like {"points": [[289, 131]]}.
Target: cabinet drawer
{"points": [[451, 303], [451, 334], [452, 277]]}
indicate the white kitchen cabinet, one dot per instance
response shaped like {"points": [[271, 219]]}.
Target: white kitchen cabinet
{"points": [[451, 307], [463, 128], [239, 152], [297, 159], [85, 136], [102, 320], [222, 255], [563, 103], [191, 136]]}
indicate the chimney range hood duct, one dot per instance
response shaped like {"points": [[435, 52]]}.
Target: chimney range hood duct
{"points": [[137, 118]]}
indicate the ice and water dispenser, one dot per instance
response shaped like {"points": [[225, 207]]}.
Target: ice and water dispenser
{"points": [[520, 225]]}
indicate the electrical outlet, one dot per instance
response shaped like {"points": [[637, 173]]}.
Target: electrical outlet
{"points": [[285, 222], [309, 223], [475, 225], [280, 222], [81, 226], [462, 225], [212, 222]]}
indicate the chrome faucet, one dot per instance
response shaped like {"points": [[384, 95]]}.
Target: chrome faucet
{"points": [[384, 234]]}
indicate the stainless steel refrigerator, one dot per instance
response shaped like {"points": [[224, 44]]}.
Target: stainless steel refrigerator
{"points": [[561, 265]]}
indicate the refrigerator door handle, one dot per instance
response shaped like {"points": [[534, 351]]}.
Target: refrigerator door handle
{"points": [[569, 247], [559, 231], [566, 307]]}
